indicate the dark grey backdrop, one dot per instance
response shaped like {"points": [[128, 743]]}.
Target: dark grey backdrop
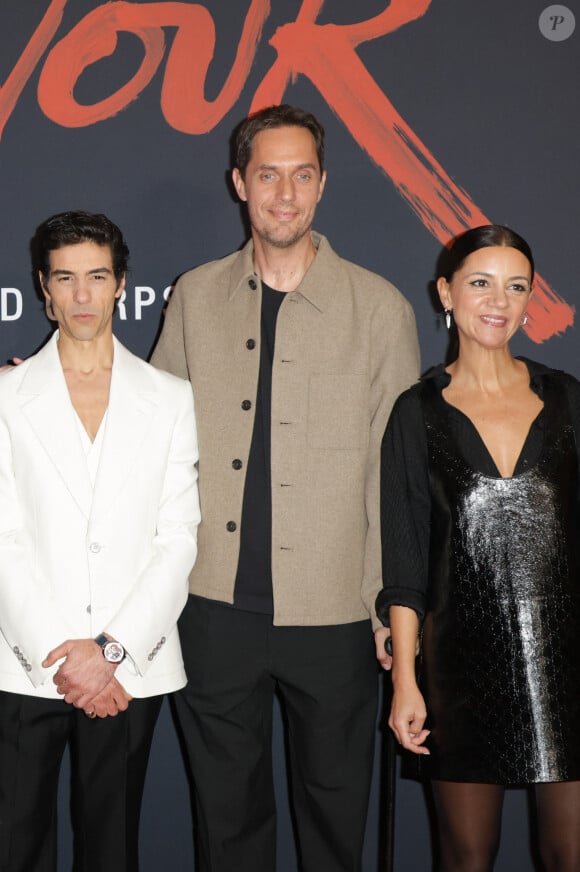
{"points": [[492, 99]]}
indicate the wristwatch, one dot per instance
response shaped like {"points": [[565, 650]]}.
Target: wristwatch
{"points": [[113, 652]]}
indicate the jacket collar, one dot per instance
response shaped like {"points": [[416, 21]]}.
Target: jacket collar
{"points": [[45, 402], [318, 284]]}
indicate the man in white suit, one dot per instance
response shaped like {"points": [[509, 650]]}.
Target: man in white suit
{"points": [[98, 518]]}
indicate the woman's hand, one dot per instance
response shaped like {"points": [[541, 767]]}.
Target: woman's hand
{"points": [[408, 713]]}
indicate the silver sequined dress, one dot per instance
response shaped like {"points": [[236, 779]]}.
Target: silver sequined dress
{"points": [[501, 639]]}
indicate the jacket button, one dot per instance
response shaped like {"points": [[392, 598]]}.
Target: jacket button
{"points": [[237, 463], [231, 526], [252, 284], [251, 344], [94, 547], [246, 404]]}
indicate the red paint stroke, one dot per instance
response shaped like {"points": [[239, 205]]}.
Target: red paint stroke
{"points": [[326, 54], [14, 85], [182, 98]]}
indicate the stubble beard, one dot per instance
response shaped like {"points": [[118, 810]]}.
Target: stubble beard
{"points": [[282, 242]]}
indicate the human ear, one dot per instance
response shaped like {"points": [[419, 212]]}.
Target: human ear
{"points": [[43, 286], [321, 187], [239, 184], [444, 293], [121, 287]]}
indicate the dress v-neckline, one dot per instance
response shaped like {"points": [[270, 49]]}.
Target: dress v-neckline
{"points": [[484, 444]]}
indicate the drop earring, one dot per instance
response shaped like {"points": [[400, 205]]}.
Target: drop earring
{"points": [[524, 320], [448, 318]]}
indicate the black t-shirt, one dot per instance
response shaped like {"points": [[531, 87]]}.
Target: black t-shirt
{"points": [[253, 589]]}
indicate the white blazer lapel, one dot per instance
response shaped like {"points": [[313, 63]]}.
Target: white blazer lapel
{"points": [[131, 410], [45, 402]]}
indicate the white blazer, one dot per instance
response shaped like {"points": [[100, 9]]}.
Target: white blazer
{"points": [[77, 561]]}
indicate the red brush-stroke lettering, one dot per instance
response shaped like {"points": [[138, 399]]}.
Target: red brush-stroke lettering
{"points": [[16, 81], [182, 99], [326, 55]]}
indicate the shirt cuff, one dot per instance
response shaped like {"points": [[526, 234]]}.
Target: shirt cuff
{"points": [[399, 596]]}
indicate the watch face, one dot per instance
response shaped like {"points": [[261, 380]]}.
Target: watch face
{"points": [[114, 652]]}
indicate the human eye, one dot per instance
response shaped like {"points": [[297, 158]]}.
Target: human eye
{"points": [[304, 176], [266, 176], [518, 287], [478, 283]]}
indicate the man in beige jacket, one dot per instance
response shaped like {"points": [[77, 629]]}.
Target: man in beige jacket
{"points": [[296, 357]]}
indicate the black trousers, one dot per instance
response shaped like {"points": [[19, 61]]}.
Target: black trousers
{"points": [[328, 681], [108, 761]]}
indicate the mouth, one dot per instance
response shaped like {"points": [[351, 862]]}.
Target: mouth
{"points": [[494, 320], [283, 215]]}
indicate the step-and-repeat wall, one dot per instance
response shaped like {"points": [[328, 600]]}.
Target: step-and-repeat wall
{"points": [[439, 114]]}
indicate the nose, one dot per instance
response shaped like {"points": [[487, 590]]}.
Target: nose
{"points": [[499, 297], [286, 188], [82, 293]]}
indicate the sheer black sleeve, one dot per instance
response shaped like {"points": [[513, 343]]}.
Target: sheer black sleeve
{"points": [[405, 508]]}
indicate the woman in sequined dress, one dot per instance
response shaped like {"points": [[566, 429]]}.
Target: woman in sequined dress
{"points": [[481, 558]]}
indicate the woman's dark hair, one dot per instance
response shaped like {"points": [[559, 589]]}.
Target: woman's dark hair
{"points": [[71, 228], [269, 119], [486, 236]]}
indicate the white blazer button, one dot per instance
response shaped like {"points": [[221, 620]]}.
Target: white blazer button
{"points": [[94, 547]]}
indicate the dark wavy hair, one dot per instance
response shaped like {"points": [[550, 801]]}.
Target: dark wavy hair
{"points": [[269, 119], [485, 236], [71, 228]]}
